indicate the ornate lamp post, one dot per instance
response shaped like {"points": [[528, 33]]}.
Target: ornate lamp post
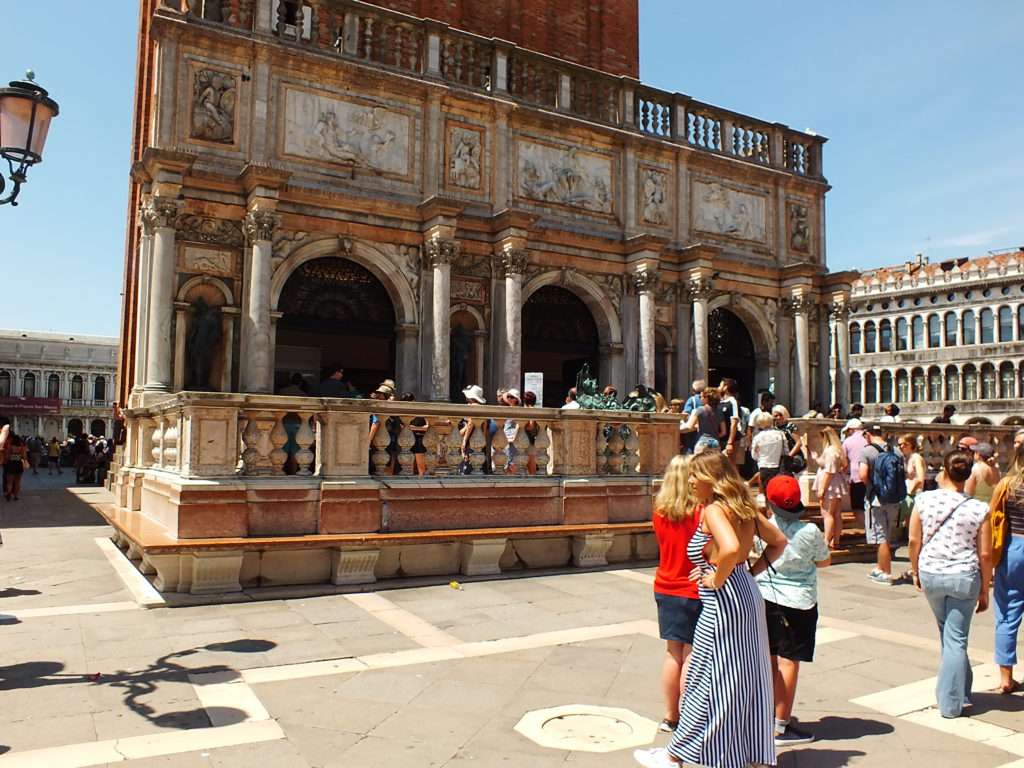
{"points": [[25, 114]]}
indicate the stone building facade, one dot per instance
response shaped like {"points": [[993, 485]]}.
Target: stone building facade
{"points": [[333, 182], [924, 334], [56, 384]]}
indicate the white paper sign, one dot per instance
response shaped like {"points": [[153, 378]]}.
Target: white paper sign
{"points": [[534, 382]]}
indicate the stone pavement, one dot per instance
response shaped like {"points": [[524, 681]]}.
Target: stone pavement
{"points": [[423, 674]]}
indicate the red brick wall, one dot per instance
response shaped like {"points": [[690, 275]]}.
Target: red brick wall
{"points": [[603, 34]]}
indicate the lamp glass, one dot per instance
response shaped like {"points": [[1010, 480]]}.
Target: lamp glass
{"points": [[15, 124]]}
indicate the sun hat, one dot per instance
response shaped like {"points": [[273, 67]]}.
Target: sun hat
{"points": [[784, 492], [985, 450], [967, 443], [476, 393], [853, 424], [513, 392]]}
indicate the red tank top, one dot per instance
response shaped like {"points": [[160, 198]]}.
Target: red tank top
{"points": [[673, 574]]}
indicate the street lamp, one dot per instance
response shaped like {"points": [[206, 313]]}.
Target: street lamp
{"points": [[25, 114]]}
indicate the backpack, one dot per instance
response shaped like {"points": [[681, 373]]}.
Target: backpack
{"points": [[889, 477]]}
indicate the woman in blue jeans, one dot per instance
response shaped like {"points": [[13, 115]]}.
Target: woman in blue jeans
{"points": [[1008, 519], [951, 558]]}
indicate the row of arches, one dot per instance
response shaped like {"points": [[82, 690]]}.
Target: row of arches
{"points": [[30, 386], [952, 383], [933, 331]]}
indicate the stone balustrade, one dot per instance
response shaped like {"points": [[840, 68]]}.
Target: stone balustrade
{"points": [[433, 50]]}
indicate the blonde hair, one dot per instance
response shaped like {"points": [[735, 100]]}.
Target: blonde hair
{"points": [[1015, 474], [674, 500], [727, 486], [781, 410], [831, 440], [764, 420], [660, 404]]}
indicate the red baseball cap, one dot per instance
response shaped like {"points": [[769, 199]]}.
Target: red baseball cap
{"points": [[784, 491]]}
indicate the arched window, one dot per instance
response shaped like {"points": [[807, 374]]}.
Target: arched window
{"points": [[1020, 379], [988, 382], [902, 384], [5, 384], [870, 388], [76, 387], [885, 336], [1007, 377], [917, 325], [902, 334], [934, 384], [934, 332], [885, 386], [99, 389], [870, 337], [953, 383], [854, 338], [969, 334], [855, 393], [53, 386], [28, 385], [917, 385], [988, 330], [1020, 322], [970, 382], [950, 322], [1005, 324]]}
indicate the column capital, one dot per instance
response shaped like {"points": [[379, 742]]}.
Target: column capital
{"points": [[839, 311], [800, 304], [645, 281], [441, 251], [698, 289], [158, 212], [259, 225], [512, 261]]}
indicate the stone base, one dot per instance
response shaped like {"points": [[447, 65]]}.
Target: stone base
{"points": [[591, 549], [481, 557]]}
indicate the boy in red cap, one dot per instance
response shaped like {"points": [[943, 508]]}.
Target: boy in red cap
{"points": [[790, 592]]}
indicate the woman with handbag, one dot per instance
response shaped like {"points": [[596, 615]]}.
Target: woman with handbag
{"points": [[16, 464], [1008, 545], [951, 562]]}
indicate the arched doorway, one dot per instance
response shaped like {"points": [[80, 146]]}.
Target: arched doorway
{"points": [[75, 427], [98, 428], [559, 338], [731, 352], [335, 312], [466, 351]]}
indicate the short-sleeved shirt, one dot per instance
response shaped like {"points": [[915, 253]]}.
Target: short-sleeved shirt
{"points": [[752, 421], [853, 446], [674, 566], [952, 547], [693, 402], [767, 448], [728, 410], [708, 421], [795, 580], [868, 454]]}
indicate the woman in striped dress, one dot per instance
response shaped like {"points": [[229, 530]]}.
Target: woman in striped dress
{"points": [[726, 718]]}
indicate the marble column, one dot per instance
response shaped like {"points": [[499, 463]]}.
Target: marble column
{"points": [[513, 267], [160, 215], [684, 315], [257, 374], [142, 287], [801, 306], [440, 254], [700, 295], [645, 283], [840, 316]]}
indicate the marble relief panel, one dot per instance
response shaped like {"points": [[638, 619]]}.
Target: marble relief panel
{"points": [[208, 261], [565, 176], [653, 206], [464, 157], [799, 229], [214, 105], [721, 210], [322, 127]]}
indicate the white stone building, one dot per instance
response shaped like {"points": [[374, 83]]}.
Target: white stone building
{"points": [[57, 383], [924, 334]]}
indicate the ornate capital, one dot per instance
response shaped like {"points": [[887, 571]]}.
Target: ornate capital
{"points": [[839, 311], [259, 225], [802, 304], [645, 281], [698, 289], [440, 251], [158, 212], [512, 261]]}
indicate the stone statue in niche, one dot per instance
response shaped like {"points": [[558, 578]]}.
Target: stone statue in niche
{"points": [[461, 345], [464, 165], [654, 198], [213, 107], [203, 339], [799, 229]]}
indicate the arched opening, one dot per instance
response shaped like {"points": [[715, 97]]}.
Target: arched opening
{"points": [[98, 427], [28, 385], [855, 393], [53, 386], [1005, 324], [934, 384], [870, 387], [1014, 421], [950, 329], [662, 362], [885, 336], [969, 334], [885, 387], [902, 334], [75, 427], [559, 338], [902, 386], [1007, 381], [99, 387], [917, 385], [335, 312], [988, 381], [5, 384], [988, 331], [870, 337], [731, 352], [979, 420], [466, 352], [77, 386], [917, 333], [854, 338], [970, 388], [952, 383]]}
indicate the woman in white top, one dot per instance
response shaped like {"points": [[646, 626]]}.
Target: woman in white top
{"points": [[951, 558], [832, 485], [767, 447]]}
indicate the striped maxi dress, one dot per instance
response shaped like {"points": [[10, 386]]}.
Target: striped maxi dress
{"points": [[726, 716]]}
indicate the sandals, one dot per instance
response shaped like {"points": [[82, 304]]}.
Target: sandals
{"points": [[1006, 690], [668, 726]]}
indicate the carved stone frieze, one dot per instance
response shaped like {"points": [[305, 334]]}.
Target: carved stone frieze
{"points": [[464, 158], [654, 197], [799, 228], [260, 225], [614, 286], [285, 241], [200, 229], [411, 263], [440, 251]]}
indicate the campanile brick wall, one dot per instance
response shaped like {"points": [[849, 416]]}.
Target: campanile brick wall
{"points": [[604, 34]]}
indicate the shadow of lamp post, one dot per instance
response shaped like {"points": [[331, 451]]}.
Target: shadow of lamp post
{"points": [[25, 114]]}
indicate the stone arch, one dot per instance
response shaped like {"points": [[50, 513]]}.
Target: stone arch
{"points": [[609, 328], [759, 326], [366, 255], [216, 282], [469, 369]]}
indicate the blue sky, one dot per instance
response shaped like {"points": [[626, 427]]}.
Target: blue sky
{"points": [[921, 101]]}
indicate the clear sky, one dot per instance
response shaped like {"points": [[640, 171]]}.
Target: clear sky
{"points": [[921, 101]]}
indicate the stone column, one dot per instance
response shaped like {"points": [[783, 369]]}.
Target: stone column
{"points": [[142, 289], [513, 267], [440, 254], [257, 373], [160, 215], [684, 315], [181, 310], [699, 295], [645, 282], [800, 306], [840, 315]]}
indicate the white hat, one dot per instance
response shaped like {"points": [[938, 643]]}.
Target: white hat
{"points": [[514, 393], [475, 392], [853, 424]]}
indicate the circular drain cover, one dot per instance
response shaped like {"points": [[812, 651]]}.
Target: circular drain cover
{"points": [[583, 728]]}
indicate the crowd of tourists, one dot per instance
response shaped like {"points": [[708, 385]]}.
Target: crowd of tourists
{"points": [[88, 456]]}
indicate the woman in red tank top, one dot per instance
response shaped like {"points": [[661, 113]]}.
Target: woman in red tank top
{"points": [[676, 517]]}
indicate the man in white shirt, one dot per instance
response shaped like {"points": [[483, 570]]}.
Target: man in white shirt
{"points": [[570, 401]]}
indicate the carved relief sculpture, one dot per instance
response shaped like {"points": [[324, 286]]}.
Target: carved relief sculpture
{"points": [[464, 158], [799, 229], [207, 261], [214, 98], [724, 211], [654, 197], [200, 229], [565, 176]]}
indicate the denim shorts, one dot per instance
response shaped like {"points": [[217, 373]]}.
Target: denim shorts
{"points": [[879, 523], [677, 617]]}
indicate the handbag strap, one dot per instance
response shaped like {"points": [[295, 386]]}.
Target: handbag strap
{"points": [[942, 522]]}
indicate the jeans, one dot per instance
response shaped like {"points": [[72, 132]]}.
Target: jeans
{"points": [[1008, 600], [953, 598]]}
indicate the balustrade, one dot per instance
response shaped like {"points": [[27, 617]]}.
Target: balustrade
{"points": [[704, 130], [532, 79], [466, 61], [752, 143], [654, 113]]}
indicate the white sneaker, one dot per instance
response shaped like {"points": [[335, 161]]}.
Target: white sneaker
{"points": [[658, 757]]}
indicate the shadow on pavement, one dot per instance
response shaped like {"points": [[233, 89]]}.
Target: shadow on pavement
{"points": [[15, 592], [819, 758], [832, 728], [995, 702], [142, 683], [49, 508]]}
